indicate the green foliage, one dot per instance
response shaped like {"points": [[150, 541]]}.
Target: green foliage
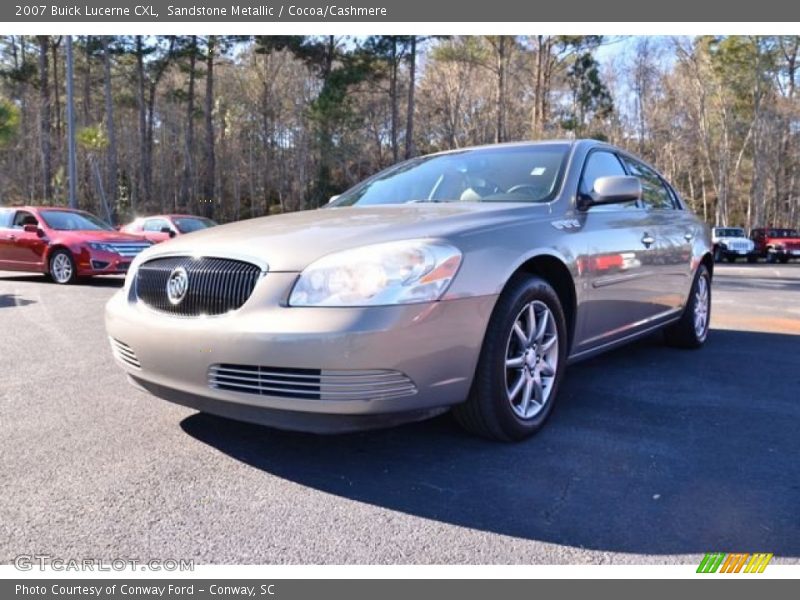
{"points": [[92, 138], [9, 121], [591, 98]]}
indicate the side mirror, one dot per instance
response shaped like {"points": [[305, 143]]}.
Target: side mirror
{"points": [[168, 230], [612, 190], [332, 198], [31, 228]]}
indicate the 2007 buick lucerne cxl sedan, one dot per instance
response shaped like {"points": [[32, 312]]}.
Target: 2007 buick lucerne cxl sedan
{"points": [[465, 280]]}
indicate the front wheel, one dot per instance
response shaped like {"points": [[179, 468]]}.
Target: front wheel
{"points": [[731, 258], [62, 267], [691, 330], [521, 363]]}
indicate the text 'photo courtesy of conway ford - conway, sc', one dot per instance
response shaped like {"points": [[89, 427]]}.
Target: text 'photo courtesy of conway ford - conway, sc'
{"points": [[466, 280]]}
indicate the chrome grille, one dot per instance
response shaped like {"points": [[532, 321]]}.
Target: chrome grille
{"points": [[124, 353], [738, 245], [127, 249], [313, 384], [215, 285]]}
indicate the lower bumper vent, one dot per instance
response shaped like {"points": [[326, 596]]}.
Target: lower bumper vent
{"points": [[311, 384], [125, 353]]}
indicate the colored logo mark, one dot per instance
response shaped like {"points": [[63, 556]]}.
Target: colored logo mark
{"points": [[721, 562]]}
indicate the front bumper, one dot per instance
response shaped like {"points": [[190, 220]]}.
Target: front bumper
{"points": [[436, 345], [99, 262]]}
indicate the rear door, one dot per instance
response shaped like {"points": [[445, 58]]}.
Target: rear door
{"points": [[6, 237], [619, 262], [24, 250], [673, 230]]}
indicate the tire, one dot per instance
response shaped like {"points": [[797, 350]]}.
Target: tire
{"points": [[688, 332], [752, 259], [731, 259], [784, 259], [496, 407], [62, 267]]}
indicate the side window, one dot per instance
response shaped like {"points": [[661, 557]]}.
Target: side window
{"points": [[654, 193], [23, 218], [602, 164], [155, 224], [5, 217], [676, 201]]}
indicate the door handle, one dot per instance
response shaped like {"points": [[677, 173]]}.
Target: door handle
{"points": [[12, 238], [648, 240], [688, 236]]}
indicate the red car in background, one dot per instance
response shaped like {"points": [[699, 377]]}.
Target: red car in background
{"points": [[776, 244], [159, 228], [63, 243]]}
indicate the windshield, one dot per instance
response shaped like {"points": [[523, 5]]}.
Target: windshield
{"points": [[189, 224], [64, 220], [782, 233], [730, 232], [529, 173]]}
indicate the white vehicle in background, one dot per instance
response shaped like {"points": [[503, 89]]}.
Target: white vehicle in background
{"points": [[731, 243]]}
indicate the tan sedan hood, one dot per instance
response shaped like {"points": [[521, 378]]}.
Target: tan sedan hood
{"points": [[290, 242]]}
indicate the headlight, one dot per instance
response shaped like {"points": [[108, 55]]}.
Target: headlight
{"points": [[100, 246], [392, 273]]}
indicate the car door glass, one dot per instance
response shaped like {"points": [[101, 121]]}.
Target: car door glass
{"points": [[655, 195], [155, 225], [602, 164], [5, 217], [23, 218]]}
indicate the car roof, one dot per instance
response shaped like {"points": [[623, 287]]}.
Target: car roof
{"points": [[41, 207], [172, 216], [509, 145]]}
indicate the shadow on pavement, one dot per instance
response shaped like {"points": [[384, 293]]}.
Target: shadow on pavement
{"points": [[7, 300], [105, 281], [651, 450]]}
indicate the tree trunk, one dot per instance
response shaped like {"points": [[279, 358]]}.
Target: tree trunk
{"points": [[500, 99], [144, 162], [188, 164], [44, 98], [394, 99], [56, 93], [210, 167], [412, 73], [111, 156], [536, 124]]}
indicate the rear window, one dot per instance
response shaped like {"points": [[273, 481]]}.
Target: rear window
{"points": [[5, 217]]}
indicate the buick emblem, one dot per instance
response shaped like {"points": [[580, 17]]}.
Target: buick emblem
{"points": [[177, 285]]}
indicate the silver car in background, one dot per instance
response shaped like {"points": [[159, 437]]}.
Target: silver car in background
{"points": [[467, 280]]}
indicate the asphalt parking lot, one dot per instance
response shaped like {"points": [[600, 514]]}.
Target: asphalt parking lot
{"points": [[654, 455]]}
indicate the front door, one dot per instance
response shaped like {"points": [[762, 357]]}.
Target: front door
{"points": [[620, 265]]}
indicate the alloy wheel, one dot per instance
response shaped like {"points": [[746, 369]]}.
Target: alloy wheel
{"points": [[61, 268], [531, 359], [701, 308]]}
